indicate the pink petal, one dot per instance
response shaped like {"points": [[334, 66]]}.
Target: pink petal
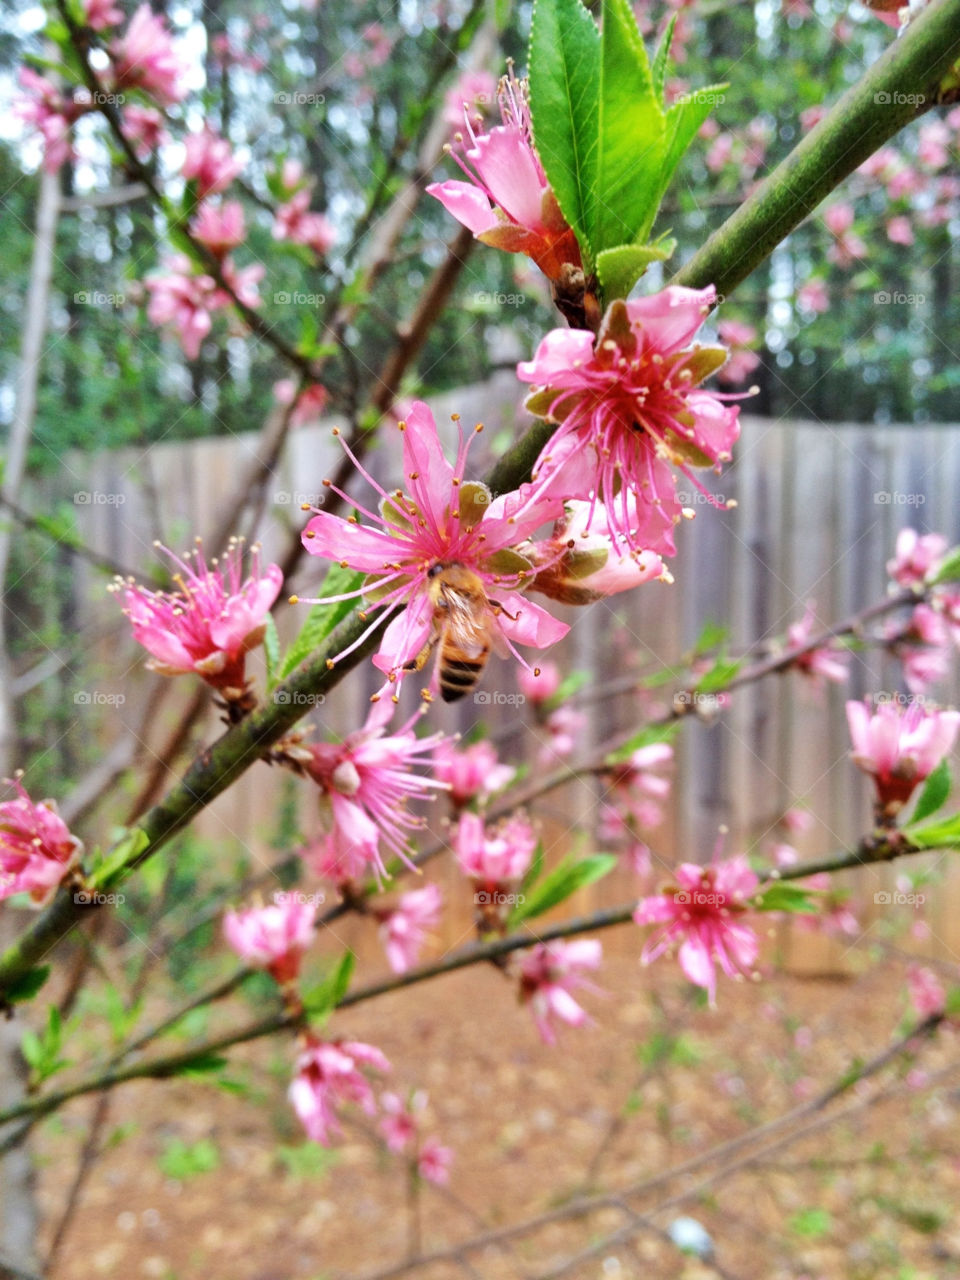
{"points": [[671, 318], [467, 203], [533, 625], [336, 539], [406, 635]]}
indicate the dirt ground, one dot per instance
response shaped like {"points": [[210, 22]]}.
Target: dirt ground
{"points": [[655, 1083]]}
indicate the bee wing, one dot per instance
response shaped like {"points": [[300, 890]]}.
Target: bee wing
{"points": [[467, 624]]}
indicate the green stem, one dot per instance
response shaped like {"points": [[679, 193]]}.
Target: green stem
{"points": [[870, 113]]}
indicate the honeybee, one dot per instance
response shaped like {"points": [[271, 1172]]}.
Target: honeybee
{"points": [[463, 617]]}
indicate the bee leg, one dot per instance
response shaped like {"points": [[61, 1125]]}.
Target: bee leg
{"points": [[423, 657], [498, 609]]}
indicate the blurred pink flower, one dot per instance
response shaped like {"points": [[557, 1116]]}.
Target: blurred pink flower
{"points": [[433, 1162], [274, 937], [541, 684], [100, 14], [549, 972], [813, 296], [294, 222], [565, 726], [470, 772], [404, 928], [823, 663], [37, 849], [494, 858], [143, 126], [701, 913], [475, 92], [899, 746], [328, 1076], [210, 623], [720, 153], [924, 648], [145, 57], [44, 108], [628, 406], [933, 145], [184, 300], [209, 162], [899, 231], [219, 227], [915, 556], [926, 991], [738, 338], [847, 245]]}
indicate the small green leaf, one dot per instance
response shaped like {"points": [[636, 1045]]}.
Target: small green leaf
{"points": [[643, 738], [26, 986], [182, 1160], [944, 834], [719, 675], [782, 896], [560, 884], [271, 650], [631, 137], [948, 570], [619, 269], [200, 1064], [684, 118], [117, 859], [659, 68], [564, 69], [31, 1046], [935, 793], [321, 1000], [322, 618], [534, 871]]}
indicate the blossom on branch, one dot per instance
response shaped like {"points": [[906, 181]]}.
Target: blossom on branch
{"points": [[37, 848], [628, 406], [329, 1076], [145, 58], [470, 772], [274, 937], [915, 556], [549, 972], [209, 162], [405, 927], [441, 522], [899, 746], [701, 912], [211, 622], [822, 663]]}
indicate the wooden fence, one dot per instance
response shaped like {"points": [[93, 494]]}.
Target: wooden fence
{"points": [[818, 509]]}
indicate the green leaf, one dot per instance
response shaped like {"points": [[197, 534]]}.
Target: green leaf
{"points": [[181, 1160], [631, 133], [26, 986], [125, 851], [944, 834], [785, 897], [534, 871], [271, 650], [321, 1000], [948, 570], [619, 269], [200, 1064], [935, 791], [719, 675], [560, 884], [322, 618], [684, 118], [564, 70], [659, 69], [31, 1046]]}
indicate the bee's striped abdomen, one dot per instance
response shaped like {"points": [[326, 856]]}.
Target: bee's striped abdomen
{"points": [[459, 675]]}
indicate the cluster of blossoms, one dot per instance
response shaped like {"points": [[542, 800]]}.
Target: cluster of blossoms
{"points": [[926, 642], [899, 746], [823, 663], [470, 773], [293, 219], [632, 804], [495, 861], [37, 849]]}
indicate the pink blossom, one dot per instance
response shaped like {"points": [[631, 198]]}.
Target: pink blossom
{"points": [[185, 300], [822, 663], [495, 858], [629, 406], [443, 522], [565, 727], [582, 561], [143, 126], [881, 164], [904, 182], [404, 929], [328, 1076], [242, 281], [471, 772], [368, 782], [272, 938], [813, 296], [899, 746], [899, 231], [209, 162], [507, 201], [812, 116], [923, 647], [44, 108], [549, 972], [399, 1123], [847, 246], [915, 556], [720, 153], [701, 912], [210, 623], [738, 338], [433, 1162], [475, 92], [145, 57], [926, 991], [540, 685], [37, 849], [832, 914], [220, 227], [100, 14], [933, 144], [310, 404], [295, 222], [636, 790]]}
